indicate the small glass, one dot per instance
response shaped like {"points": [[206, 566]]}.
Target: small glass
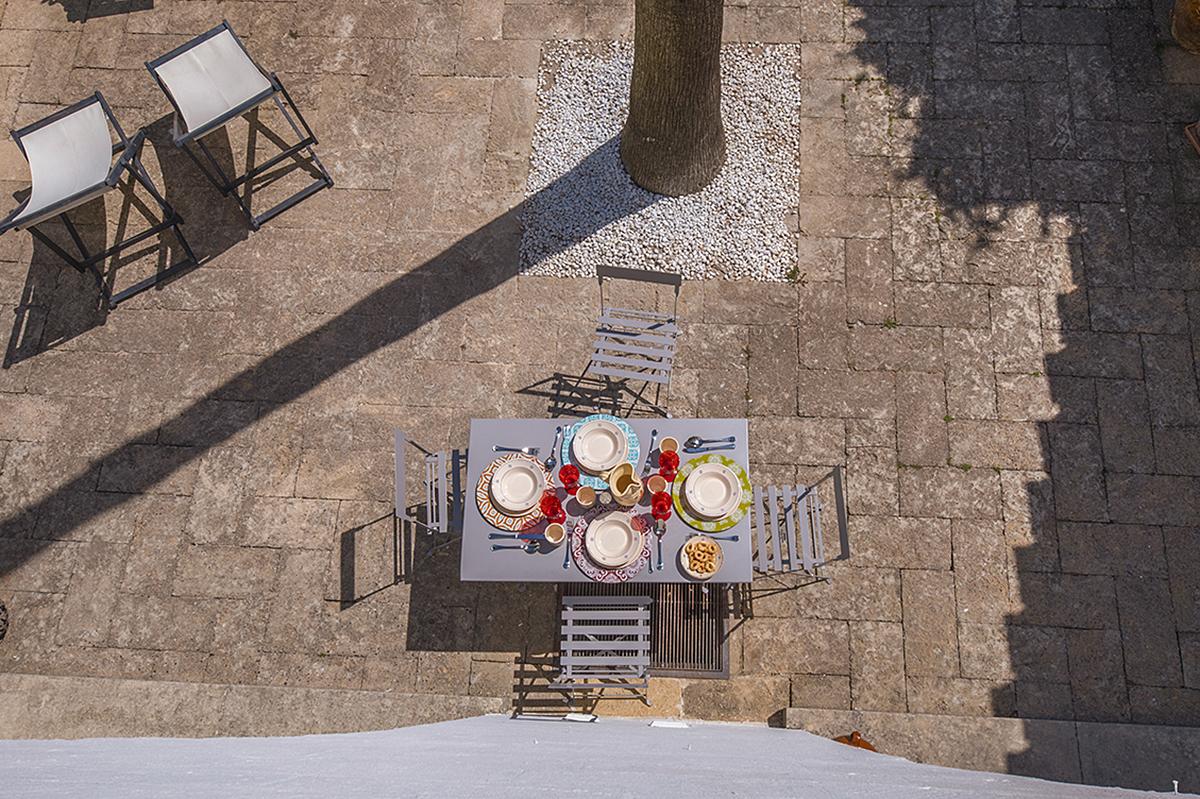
{"points": [[660, 506], [568, 475]]}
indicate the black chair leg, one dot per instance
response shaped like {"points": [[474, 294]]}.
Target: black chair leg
{"points": [[229, 185]]}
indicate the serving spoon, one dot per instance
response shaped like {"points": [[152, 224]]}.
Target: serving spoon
{"points": [[697, 441]]}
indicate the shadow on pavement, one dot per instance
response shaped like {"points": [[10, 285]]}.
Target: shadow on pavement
{"points": [[445, 614], [1040, 158]]}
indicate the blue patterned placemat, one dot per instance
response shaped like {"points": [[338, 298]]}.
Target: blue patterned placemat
{"points": [[592, 480]]}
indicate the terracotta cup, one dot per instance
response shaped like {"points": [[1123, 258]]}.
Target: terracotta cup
{"points": [[668, 444], [656, 483], [586, 496], [555, 533]]}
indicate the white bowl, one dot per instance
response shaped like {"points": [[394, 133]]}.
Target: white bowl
{"points": [[517, 485], [599, 445], [611, 541], [712, 490]]}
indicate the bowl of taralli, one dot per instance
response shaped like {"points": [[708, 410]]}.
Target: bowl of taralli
{"points": [[700, 557]]}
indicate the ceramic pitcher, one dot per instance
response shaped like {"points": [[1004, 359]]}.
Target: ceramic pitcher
{"points": [[626, 486]]}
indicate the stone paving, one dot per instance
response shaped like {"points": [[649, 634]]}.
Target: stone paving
{"points": [[994, 329]]}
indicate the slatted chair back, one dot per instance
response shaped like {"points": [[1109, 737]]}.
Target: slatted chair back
{"points": [[789, 524], [605, 646], [441, 478], [634, 344]]}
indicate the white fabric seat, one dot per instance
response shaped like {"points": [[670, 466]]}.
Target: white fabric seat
{"points": [[70, 157], [212, 79]]}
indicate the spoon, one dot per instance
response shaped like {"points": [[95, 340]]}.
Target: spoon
{"points": [[552, 461], [531, 547], [650, 451], [697, 441]]}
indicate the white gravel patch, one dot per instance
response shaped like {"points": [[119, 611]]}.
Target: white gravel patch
{"points": [[584, 210]]}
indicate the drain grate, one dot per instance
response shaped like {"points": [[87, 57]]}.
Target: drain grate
{"points": [[687, 626]]}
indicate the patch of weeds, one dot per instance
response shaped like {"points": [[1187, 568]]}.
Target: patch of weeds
{"points": [[966, 467], [947, 418], [890, 324]]}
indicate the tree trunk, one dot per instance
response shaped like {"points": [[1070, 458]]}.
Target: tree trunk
{"points": [[1185, 24], [673, 142]]}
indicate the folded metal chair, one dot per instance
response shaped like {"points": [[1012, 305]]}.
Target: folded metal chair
{"points": [[443, 498], [789, 533], [70, 155], [634, 345], [605, 646], [212, 80]]}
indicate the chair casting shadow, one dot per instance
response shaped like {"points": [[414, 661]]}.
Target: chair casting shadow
{"points": [[58, 303]]}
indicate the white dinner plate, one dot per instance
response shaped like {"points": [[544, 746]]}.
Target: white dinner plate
{"points": [[517, 485], [712, 490], [599, 445], [611, 541]]}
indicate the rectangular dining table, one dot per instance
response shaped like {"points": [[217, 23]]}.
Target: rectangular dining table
{"points": [[481, 562]]}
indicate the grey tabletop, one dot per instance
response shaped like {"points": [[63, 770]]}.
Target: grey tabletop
{"points": [[480, 562]]}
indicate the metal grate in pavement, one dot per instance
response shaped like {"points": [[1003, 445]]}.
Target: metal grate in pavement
{"points": [[687, 626]]}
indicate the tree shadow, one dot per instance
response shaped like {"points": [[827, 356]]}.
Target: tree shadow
{"points": [[1036, 154], [445, 614]]}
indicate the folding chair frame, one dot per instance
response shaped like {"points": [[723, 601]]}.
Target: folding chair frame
{"points": [[228, 185], [604, 648], [129, 161], [618, 333], [443, 495], [789, 535]]}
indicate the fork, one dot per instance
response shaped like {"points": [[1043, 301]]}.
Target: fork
{"points": [[659, 531], [526, 450], [531, 547]]}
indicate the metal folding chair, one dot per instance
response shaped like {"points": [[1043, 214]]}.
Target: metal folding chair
{"points": [[70, 155], [212, 80], [788, 526], [443, 489], [605, 647], [635, 345]]}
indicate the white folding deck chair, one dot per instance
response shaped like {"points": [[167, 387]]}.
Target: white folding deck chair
{"points": [[70, 155], [212, 80]]}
